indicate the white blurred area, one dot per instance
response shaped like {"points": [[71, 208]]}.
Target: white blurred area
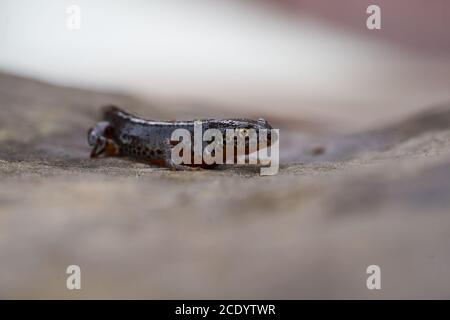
{"points": [[247, 57]]}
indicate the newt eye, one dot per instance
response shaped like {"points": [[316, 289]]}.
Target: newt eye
{"points": [[244, 132]]}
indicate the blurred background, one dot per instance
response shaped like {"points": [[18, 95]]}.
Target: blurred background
{"points": [[364, 119], [289, 59]]}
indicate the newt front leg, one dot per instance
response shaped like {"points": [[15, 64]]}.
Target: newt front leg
{"points": [[169, 162]]}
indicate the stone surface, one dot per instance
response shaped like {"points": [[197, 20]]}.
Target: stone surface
{"points": [[340, 203]]}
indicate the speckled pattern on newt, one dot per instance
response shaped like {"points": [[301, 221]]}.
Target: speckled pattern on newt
{"points": [[122, 134]]}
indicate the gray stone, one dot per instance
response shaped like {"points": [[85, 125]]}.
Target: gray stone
{"points": [[340, 203]]}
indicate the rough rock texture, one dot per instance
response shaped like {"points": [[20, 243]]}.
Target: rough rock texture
{"points": [[339, 204]]}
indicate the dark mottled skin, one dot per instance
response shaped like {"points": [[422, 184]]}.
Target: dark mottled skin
{"points": [[123, 134]]}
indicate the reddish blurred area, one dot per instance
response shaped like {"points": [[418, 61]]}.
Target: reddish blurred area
{"points": [[420, 24]]}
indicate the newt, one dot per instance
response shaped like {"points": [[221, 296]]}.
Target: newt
{"points": [[123, 134]]}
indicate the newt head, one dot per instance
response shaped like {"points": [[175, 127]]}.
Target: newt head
{"points": [[101, 138], [244, 127], [264, 124]]}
